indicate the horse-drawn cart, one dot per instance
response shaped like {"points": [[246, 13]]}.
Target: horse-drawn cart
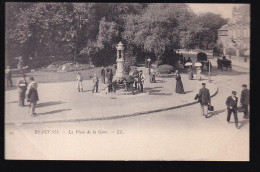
{"points": [[224, 64]]}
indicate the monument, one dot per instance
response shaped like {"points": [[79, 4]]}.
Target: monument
{"points": [[120, 73]]}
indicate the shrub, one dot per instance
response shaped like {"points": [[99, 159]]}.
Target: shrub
{"points": [[165, 69]]}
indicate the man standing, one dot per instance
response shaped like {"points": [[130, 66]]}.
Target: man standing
{"points": [[32, 96], [149, 62], [95, 83], [136, 75], [21, 87], [141, 79], [231, 103], [8, 73], [109, 80], [152, 75], [244, 100], [103, 75], [79, 82], [204, 99]]}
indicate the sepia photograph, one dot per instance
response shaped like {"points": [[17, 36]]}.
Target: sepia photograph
{"points": [[127, 81]]}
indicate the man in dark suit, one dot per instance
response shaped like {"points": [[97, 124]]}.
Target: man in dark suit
{"points": [[244, 100], [231, 103], [103, 75], [204, 99]]}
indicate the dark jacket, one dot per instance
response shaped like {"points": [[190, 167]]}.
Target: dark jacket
{"points": [[21, 88], [244, 99], [103, 72], [204, 96], [109, 77], [33, 95], [231, 102]]}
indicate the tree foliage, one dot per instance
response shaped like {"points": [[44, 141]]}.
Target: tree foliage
{"points": [[90, 31]]}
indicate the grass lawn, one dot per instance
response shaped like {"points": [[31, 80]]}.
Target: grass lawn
{"points": [[52, 77]]}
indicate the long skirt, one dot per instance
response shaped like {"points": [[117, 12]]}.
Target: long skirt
{"points": [[179, 87], [190, 75]]}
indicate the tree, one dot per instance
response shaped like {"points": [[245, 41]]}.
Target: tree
{"points": [[157, 29], [202, 32]]}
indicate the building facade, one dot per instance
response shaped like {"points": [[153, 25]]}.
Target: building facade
{"points": [[236, 34]]}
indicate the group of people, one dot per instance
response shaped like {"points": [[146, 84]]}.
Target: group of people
{"points": [[95, 81], [232, 102], [203, 98], [28, 92], [221, 62]]}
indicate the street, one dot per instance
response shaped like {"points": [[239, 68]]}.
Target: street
{"points": [[179, 134]]}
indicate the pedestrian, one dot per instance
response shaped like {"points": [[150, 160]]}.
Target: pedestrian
{"points": [[8, 73], [129, 81], [198, 76], [189, 60], [110, 69], [136, 75], [21, 87], [231, 103], [103, 75], [184, 61], [152, 75], [109, 80], [141, 79], [190, 73], [219, 63], [32, 96], [149, 62], [179, 86], [95, 83], [244, 100], [204, 99], [79, 79]]}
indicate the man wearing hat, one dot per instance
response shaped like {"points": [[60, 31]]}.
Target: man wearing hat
{"points": [[135, 75], [244, 99], [231, 103], [21, 88], [32, 96], [204, 99], [141, 79]]}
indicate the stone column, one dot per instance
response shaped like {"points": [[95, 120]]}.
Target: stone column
{"points": [[120, 61]]}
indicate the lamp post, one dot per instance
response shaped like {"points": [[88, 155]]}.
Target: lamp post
{"points": [[120, 61]]}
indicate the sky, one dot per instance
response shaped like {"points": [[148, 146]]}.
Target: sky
{"points": [[224, 9]]}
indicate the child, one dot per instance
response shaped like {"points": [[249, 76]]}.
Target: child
{"points": [[95, 82], [32, 96], [79, 82]]}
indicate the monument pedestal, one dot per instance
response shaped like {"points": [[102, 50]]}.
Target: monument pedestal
{"points": [[120, 69]]}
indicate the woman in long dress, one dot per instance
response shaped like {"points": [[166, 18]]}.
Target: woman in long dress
{"points": [[198, 73], [190, 73], [179, 86]]}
